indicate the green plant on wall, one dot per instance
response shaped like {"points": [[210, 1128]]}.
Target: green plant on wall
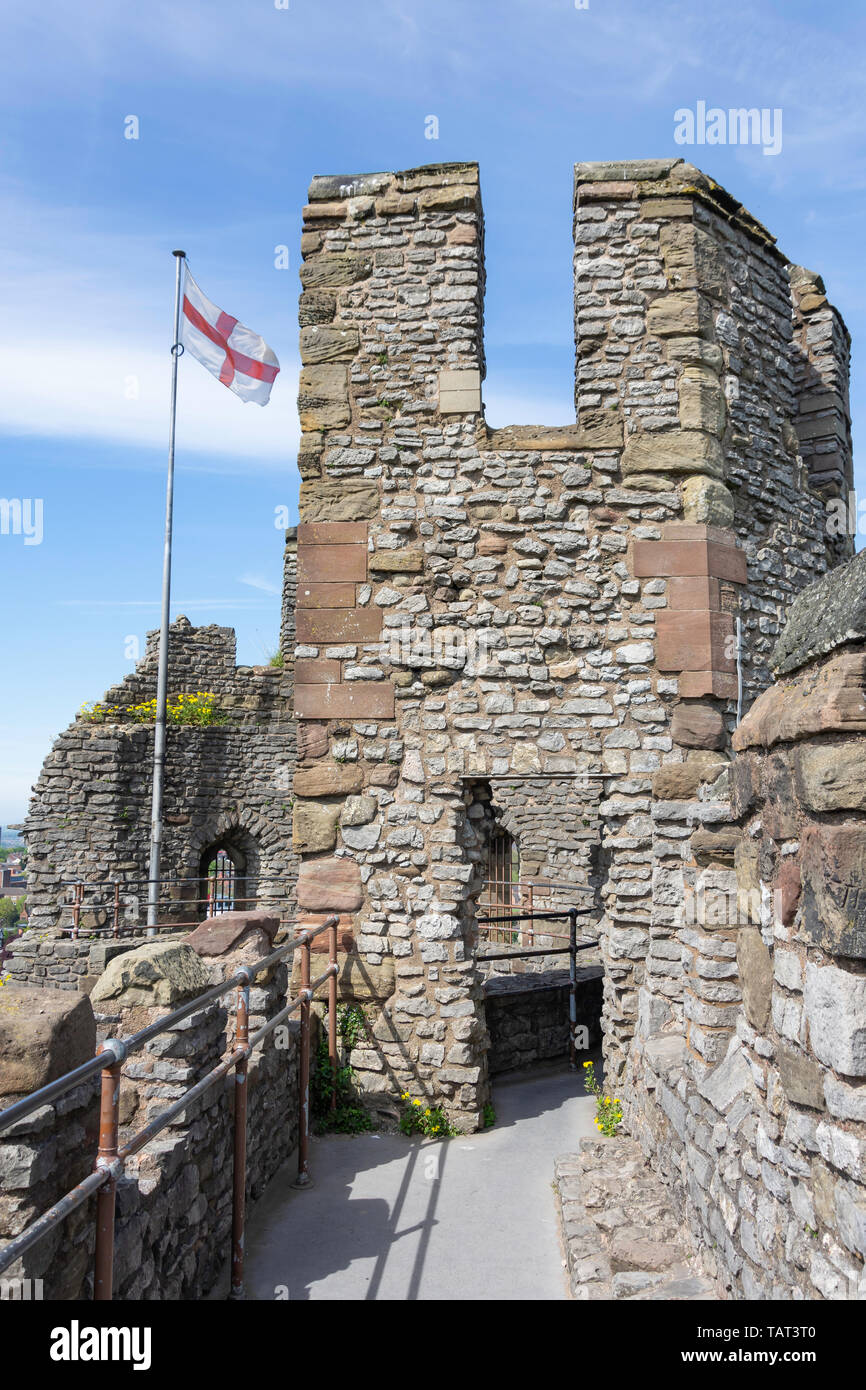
{"points": [[347, 1116], [608, 1110], [419, 1118]]}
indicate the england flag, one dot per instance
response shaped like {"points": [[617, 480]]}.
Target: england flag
{"points": [[236, 356]]}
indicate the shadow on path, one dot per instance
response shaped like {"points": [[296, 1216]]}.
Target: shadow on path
{"points": [[393, 1218]]}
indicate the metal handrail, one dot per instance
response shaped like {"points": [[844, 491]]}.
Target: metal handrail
{"points": [[110, 1158], [572, 913]]}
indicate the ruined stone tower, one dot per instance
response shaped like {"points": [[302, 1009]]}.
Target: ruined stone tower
{"points": [[529, 628]]}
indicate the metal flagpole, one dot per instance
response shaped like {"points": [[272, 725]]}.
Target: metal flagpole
{"points": [[162, 673]]}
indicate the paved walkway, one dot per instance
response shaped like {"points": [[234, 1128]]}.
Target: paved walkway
{"points": [[393, 1218]]}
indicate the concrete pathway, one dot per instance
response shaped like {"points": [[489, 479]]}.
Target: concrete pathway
{"points": [[394, 1218]]}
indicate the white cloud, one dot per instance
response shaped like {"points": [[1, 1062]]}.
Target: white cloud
{"points": [[258, 581]]}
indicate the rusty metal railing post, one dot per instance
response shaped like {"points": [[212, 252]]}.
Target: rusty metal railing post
{"points": [[572, 988], [76, 909], [239, 1170], [332, 1011], [303, 1179], [107, 1161]]}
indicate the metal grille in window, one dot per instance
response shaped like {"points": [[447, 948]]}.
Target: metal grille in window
{"points": [[221, 884], [501, 893]]}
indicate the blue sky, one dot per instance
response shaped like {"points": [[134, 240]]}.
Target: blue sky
{"points": [[239, 103]]}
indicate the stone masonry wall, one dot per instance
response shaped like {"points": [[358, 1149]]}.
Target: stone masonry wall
{"points": [[90, 815], [478, 605], [527, 1016], [762, 1134], [173, 1216]]}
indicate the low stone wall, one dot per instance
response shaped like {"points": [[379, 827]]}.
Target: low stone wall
{"points": [[51, 959], [527, 1016], [173, 1222]]}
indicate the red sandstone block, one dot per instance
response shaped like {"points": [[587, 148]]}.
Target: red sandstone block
{"points": [[693, 684], [693, 591], [330, 563], [696, 531], [600, 192], [726, 562], [307, 921], [330, 885], [338, 624], [326, 596], [316, 671], [332, 533], [660, 559], [695, 640], [358, 700]]}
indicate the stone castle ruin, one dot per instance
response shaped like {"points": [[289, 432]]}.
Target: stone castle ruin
{"points": [[528, 637]]}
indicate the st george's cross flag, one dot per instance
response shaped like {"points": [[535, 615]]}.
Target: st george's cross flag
{"points": [[236, 356]]}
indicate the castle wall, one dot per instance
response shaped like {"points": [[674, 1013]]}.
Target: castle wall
{"points": [[763, 1135], [90, 815], [554, 605]]}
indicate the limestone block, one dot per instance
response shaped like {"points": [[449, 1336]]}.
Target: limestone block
{"points": [[835, 1005], [339, 499], [314, 826], [360, 836], [459, 392], [330, 885], [43, 1033], [756, 977], [358, 810], [722, 1086], [826, 614], [159, 973], [833, 866], [802, 1079]]}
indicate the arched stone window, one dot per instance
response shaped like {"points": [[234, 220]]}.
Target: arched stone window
{"points": [[222, 874]]}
